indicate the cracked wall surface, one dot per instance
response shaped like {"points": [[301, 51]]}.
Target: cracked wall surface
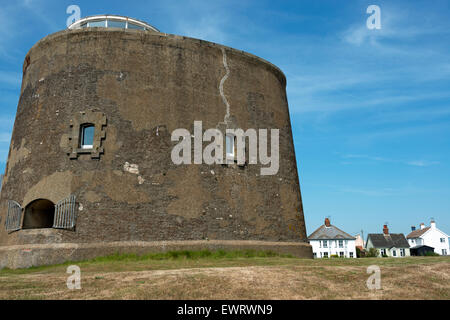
{"points": [[147, 85]]}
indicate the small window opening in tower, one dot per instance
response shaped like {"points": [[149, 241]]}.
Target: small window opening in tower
{"points": [[39, 214], [87, 136]]}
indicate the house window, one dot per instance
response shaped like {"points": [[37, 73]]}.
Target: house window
{"points": [[341, 254], [315, 255], [443, 240], [341, 243], [87, 136], [351, 254], [325, 254], [383, 252], [444, 252], [394, 253], [402, 252], [230, 140], [325, 244]]}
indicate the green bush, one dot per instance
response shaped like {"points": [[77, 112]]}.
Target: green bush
{"points": [[372, 253], [432, 254]]}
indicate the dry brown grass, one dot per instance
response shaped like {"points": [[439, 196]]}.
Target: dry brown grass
{"points": [[252, 278]]}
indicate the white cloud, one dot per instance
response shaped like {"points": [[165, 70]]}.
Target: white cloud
{"points": [[381, 191], [11, 78], [422, 163], [416, 163], [210, 21], [210, 28]]}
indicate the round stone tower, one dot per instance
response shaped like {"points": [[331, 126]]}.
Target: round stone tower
{"points": [[90, 169]]}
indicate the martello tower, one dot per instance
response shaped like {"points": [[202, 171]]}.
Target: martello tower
{"points": [[89, 169]]}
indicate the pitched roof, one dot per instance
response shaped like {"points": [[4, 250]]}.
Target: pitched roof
{"points": [[421, 246], [330, 232], [417, 233], [380, 240]]}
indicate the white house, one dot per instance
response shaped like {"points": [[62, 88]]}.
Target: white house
{"points": [[429, 236], [388, 244], [329, 240]]}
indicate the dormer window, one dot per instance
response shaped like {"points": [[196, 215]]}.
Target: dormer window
{"points": [[87, 136]]}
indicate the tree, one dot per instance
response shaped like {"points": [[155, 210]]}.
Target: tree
{"points": [[360, 253]]}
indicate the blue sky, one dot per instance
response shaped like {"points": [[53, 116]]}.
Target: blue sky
{"points": [[370, 109]]}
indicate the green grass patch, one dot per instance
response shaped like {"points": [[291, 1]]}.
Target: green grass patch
{"points": [[152, 258], [189, 255], [212, 258]]}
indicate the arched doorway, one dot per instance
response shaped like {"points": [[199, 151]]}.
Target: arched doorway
{"points": [[39, 214]]}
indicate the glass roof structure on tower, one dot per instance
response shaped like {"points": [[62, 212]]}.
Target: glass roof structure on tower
{"points": [[111, 21]]}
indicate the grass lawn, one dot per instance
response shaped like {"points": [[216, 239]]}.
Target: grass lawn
{"points": [[231, 275]]}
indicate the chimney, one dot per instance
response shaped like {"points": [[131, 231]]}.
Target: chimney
{"points": [[433, 224], [422, 226], [413, 228], [385, 229], [327, 222]]}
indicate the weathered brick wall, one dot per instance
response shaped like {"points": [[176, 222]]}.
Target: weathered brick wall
{"points": [[148, 84]]}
